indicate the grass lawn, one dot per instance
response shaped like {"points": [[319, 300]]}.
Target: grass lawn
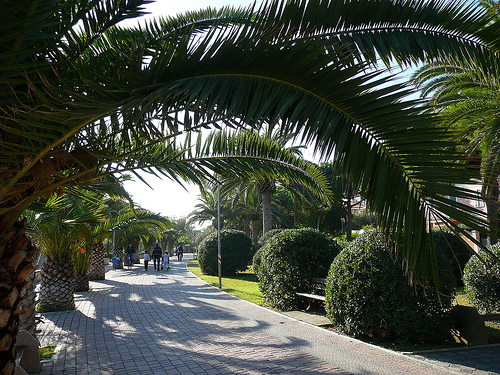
{"points": [[47, 352], [244, 285]]}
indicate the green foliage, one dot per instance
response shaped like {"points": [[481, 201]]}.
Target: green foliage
{"points": [[454, 250], [81, 259], [289, 260], [481, 284], [367, 294], [266, 236], [256, 261], [342, 240], [47, 352], [236, 253], [363, 219]]}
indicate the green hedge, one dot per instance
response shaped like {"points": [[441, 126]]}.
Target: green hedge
{"points": [[481, 284], [367, 294], [288, 262], [456, 252], [236, 253]]}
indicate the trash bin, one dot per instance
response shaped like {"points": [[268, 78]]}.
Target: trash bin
{"points": [[116, 262]]}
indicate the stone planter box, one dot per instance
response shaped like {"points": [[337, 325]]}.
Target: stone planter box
{"points": [[106, 261]]}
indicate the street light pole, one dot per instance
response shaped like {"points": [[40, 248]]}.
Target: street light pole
{"points": [[218, 236]]}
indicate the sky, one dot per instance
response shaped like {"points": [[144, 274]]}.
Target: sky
{"points": [[168, 197]]}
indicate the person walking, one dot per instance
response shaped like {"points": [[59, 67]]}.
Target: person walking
{"points": [[157, 256], [180, 253], [147, 258], [130, 255], [166, 260]]}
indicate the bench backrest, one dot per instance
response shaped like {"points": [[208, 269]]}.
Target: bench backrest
{"points": [[318, 283]]}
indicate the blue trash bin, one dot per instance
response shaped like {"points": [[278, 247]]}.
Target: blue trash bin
{"points": [[116, 262]]}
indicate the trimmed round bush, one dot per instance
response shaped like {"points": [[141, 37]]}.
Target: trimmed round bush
{"points": [[481, 285], [368, 294], [289, 260], [266, 236], [236, 253], [454, 250], [256, 260], [258, 254]]}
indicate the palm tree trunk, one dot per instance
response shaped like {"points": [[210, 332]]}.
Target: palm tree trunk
{"points": [[348, 220], [267, 215], [28, 303], [97, 270], [81, 283], [16, 251], [136, 254], [255, 231], [492, 209], [56, 293], [118, 253]]}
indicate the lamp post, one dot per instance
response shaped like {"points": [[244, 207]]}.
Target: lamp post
{"points": [[218, 236]]}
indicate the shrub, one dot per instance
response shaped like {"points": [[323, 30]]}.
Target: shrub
{"points": [[236, 253], [454, 250], [256, 260], [266, 236], [481, 285], [367, 294], [289, 260]]}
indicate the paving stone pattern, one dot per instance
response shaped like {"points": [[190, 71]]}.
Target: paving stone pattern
{"points": [[171, 322]]}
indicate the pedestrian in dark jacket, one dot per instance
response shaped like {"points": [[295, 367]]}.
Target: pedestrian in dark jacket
{"points": [[157, 253]]}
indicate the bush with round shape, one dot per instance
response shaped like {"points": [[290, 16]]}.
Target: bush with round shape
{"points": [[236, 253], [256, 260], [289, 261], [481, 284], [368, 294], [455, 250], [266, 236]]}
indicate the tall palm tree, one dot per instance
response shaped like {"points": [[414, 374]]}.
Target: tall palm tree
{"points": [[265, 185], [207, 208], [78, 97]]}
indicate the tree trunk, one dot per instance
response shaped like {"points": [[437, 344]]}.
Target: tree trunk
{"points": [[16, 251], [97, 270], [255, 231], [57, 279], [267, 215], [28, 304], [81, 283], [118, 253], [492, 209], [348, 220], [136, 242]]}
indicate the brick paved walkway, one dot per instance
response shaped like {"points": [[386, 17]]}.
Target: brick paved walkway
{"points": [[159, 322]]}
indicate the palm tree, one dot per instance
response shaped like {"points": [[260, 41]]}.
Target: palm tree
{"points": [[79, 95], [61, 230], [207, 208], [467, 99]]}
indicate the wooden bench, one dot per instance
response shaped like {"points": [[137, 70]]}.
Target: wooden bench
{"points": [[318, 287], [471, 325]]}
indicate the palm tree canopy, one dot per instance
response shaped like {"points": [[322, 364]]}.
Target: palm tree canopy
{"points": [[80, 96]]}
